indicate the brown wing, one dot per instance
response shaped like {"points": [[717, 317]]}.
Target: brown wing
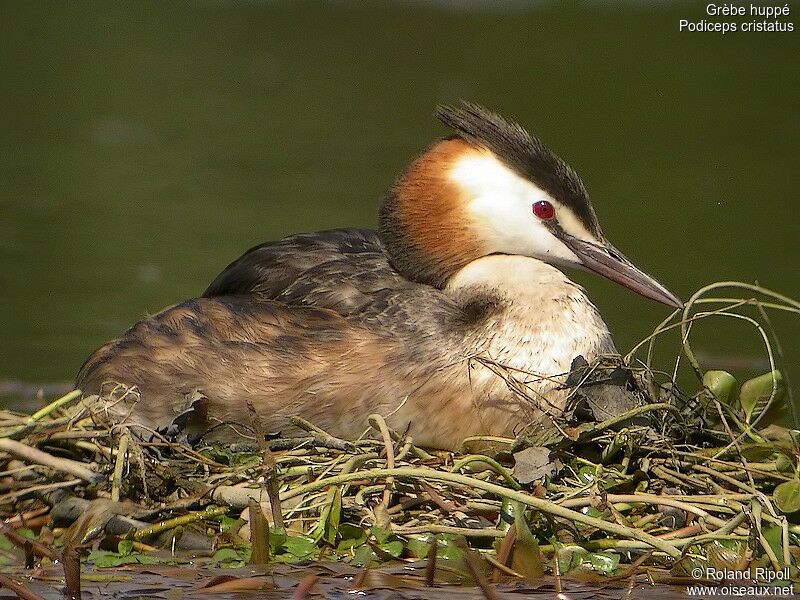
{"points": [[344, 270], [299, 269], [316, 324], [226, 350]]}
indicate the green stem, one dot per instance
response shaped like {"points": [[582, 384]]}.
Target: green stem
{"points": [[30, 424], [55, 405], [496, 467], [210, 513], [532, 501], [119, 465], [634, 412]]}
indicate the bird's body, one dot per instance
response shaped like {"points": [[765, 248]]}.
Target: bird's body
{"points": [[438, 321], [328, 330]]}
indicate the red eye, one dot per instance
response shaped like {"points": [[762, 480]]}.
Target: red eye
{"points": [[544, 210]]}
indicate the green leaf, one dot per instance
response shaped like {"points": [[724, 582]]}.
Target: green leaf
{"points": [[348, 531], [604, 562], [352, 537], [774, 536], [758, 452], [229, 557], [726, 554], [277, 538], [507, 512], [784, 464], [95, 554], [526, 558], [787, 496], [348, 545], [363, 556], [380, 534], [229, 524], [125, 547], [587, 474], [451, 546], [592, 512], [300, 547], [326, 527], [571, 558], [223, 455], [109, 561], [334, 516], [101, 558], [226, 555], [721, 383], [394, 548], [420, 545], [104, 559], [755, 394]]}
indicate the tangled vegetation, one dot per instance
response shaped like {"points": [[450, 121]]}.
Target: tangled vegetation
{"points": [[683, 481]]}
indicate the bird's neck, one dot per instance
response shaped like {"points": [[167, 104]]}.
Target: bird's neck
{"points": [[423, 222], [513, 277], [543, 320]]}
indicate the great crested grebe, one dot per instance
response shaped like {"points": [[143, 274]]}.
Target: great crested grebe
{"points": [[430, 321]]}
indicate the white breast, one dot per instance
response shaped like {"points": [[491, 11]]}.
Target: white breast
{"points": [[546, 321]]}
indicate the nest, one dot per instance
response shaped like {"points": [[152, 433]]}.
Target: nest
{"points": [[680, 484]]}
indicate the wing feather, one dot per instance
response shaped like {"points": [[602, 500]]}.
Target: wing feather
{"points": [[343, 270]]}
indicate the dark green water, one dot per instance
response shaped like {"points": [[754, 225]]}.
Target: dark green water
{"points": [[144, 146]]}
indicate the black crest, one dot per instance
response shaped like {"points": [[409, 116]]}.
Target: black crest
{"points": [[523, 153]]}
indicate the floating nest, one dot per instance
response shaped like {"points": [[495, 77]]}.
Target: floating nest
{"points": [[681, 487]]}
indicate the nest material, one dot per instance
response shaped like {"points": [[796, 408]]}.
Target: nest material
{"points": [[675, 482]]}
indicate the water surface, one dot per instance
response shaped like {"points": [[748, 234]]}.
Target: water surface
{"points": [[145, 145]]}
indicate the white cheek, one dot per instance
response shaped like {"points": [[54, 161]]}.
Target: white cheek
{"points": [[501, 206]]}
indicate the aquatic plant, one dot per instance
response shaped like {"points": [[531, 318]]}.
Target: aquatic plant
{"points": [[708, 479]]}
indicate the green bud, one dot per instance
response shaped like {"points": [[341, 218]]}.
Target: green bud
{"points": [[755, 395], [722, 384]]}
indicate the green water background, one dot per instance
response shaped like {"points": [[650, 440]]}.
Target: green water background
{"points": [[145, 145]]}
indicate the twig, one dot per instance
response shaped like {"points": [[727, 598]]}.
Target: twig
{"points": [[146, 532], [415, 450], [38, 548], [625, 545], [35, 489], [377, 422], [727, 479], [34, 455], [320, 436], [119, 465], [501, 567], [304, 587], [472, 560], [430, 564], [495, 466], [270, 467], [648, 499], [72, 572], [628, 414], [444, 505], [34, 419], [537, 503], [259, 534], [20, 589], [481, 532]]}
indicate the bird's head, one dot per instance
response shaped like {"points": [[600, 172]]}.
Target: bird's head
{"points": [[492, 188]]}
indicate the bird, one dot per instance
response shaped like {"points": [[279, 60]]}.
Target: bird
{"points": [[454, 318]]}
